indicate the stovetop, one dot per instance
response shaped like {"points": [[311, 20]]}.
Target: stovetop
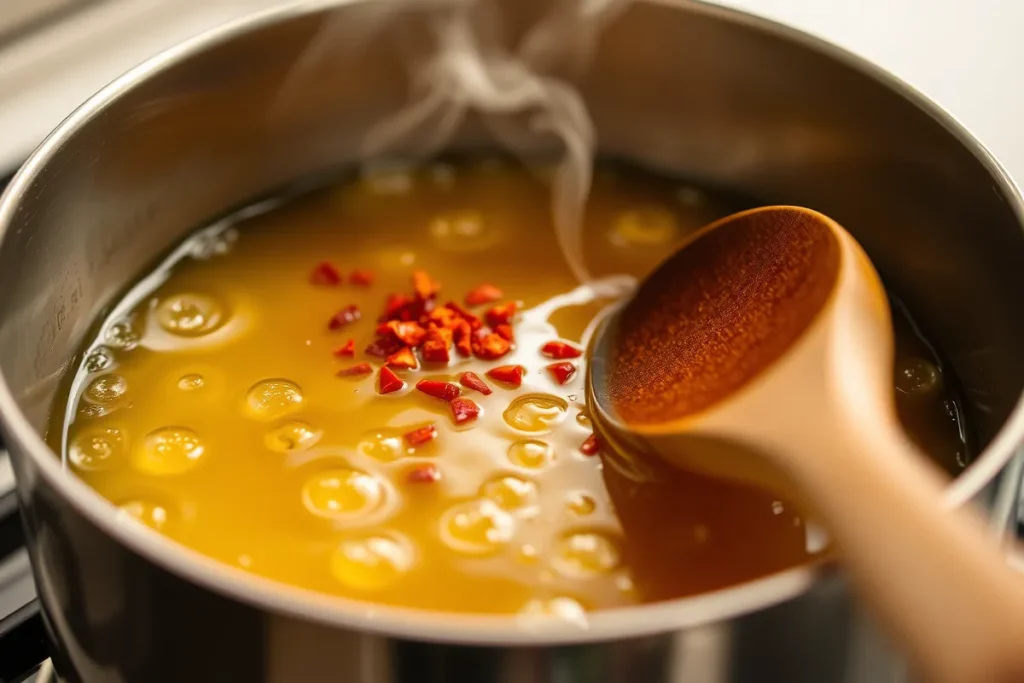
{"points": [[23, 644]]}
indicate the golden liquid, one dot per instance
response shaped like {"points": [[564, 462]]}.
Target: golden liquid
{"points": [[212, 413]]}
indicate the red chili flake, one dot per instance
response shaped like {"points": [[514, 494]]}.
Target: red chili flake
{"points": [[421, 310], [560, 350], [345, 316], [395, 305], [388, 382], [444, 317], [435, 346], [346, 350], [463, 335], [484, 294], [325, 274], [403, 359], [428, 473], [412, 311], [471, 380], [509, 374], [474, 321], [383, 347], [463, 409], [425, 286], [505, 332], [357, 370], [361, 277], [592, 446], [563, 371], [421, 436], [501, 315], [409, 333], [445, 391], [490, 345]]}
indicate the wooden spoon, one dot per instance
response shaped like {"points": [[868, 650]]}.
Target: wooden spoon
{"points": [[762, 351]]}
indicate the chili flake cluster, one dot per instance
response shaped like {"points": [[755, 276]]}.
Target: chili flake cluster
{"points": [[414, 330]]}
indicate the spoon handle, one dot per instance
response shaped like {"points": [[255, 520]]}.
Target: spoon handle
{"points": [[930, 572]]}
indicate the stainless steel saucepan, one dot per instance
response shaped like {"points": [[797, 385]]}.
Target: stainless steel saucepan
{"points": [[684, 87]]}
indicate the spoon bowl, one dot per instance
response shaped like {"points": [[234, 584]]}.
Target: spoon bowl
{"points": [[775, 302]]}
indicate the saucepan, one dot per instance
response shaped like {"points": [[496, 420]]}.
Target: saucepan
{"points": [[682, 87]]}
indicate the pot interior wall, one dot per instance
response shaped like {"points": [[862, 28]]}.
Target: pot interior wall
{"points": [[684, 88]]}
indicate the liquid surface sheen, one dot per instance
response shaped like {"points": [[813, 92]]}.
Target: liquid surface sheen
{"points": [[209, 406]]}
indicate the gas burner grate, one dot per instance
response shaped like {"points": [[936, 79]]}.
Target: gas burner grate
{"points": [[23, 641], [45, 673]]}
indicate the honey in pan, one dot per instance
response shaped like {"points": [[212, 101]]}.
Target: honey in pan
{"points": [[375, 389]]}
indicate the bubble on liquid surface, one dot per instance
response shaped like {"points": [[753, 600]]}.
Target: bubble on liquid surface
{"points": [[122, 335], [917, 376], [145, 512], [95, 449], [535, 412], [168, 451], [476, 527], [443, 176], [690, 196], [343, 493], [383, 446], [210, 244], [528, 554], [271, 399], [371, 562], [511, 493], [585, 554], [461, 231], [292, 436], [583, 419], [106, 389], [581, 504], [645, 227], [226, 240], [388, 181], [99, 359], [191, 382], [557, 609], [89, 411], [190, 314], [532, 454]]}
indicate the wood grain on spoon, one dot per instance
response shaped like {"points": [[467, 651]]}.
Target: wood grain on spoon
{"points": [[733, 301], [762, 351]]}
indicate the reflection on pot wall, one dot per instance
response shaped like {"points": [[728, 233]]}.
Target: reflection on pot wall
{"points": [[832, 646]]}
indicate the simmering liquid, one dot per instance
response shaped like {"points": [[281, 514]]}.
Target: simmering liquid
{"points": [[222, 404]]}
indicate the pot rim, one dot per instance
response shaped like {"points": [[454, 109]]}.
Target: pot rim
{"points": [[426, 625]]}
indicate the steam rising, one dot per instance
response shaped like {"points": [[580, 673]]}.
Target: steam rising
{"points": [[468, 68]]}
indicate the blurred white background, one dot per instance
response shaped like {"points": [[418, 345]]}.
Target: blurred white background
{"points": [[964, 55]]}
